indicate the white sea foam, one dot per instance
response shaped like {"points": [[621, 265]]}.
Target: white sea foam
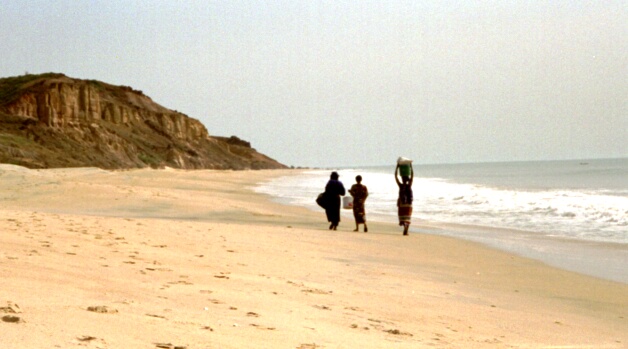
{"points": [[582, 214], [568, 215]]}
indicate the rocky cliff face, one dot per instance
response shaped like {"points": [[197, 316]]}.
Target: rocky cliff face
{"points": [[52, 120]]}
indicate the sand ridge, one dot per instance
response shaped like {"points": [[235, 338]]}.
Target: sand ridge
{"points": [[195, 259]]}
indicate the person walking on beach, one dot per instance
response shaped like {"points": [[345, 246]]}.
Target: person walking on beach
{"points": [[359, 193], [333, 191], [404, 202]]}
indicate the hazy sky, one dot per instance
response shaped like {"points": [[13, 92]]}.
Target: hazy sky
{"points": [[338, 83]]}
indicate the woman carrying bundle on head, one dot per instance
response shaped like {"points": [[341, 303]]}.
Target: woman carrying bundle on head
{"points": [[404, 202]]}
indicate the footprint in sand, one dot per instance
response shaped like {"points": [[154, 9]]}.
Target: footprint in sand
{"points": [[169, 346], [102, 309], [398, 333], [366, 328], [86, 338], [309, 290], [157, 316], [179, 282], [316, 291], [223, 275], [322, 307], [309, 346], [11, 319], [11, 308]]}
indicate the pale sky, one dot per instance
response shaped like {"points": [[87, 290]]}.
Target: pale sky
{"points": [[354, 83]]}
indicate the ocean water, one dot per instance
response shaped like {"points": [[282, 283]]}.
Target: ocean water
{"points": [[571, 214]]}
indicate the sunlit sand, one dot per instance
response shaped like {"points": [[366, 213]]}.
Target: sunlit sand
{"points": [[196, 259]]}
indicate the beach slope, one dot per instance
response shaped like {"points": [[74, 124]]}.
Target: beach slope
{"points": [[196, 259]]}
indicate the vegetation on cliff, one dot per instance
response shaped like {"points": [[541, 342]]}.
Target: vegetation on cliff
{"points": [[51, 120]]}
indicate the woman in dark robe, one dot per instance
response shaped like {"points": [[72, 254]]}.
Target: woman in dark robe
{"points": [[333, 191], [359, 193], [404, 202]]}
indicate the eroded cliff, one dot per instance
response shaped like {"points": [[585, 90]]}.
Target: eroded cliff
{"points": [[51, 120]]}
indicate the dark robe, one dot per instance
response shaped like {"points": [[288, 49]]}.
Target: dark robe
{"points": [[333, 191]]}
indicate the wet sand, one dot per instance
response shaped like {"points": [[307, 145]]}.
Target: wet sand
{"points": [[195, 259], [598, 259]]}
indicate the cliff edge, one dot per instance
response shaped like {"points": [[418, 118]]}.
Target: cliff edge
{"points": [[51, 120]]}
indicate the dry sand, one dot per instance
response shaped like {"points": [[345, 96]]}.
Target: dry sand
{"points": [[195, 259]]}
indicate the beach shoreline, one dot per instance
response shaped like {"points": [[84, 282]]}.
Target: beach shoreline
{"points": [[534, 228], [196, 259], [604, 260]]}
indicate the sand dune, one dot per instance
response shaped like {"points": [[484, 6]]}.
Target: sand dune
{"points": [[195, 259]]}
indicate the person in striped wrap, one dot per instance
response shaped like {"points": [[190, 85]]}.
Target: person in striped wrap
{"points": [[404, 202]]}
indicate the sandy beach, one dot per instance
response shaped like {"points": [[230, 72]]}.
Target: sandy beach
{"points": [[196, 259]]}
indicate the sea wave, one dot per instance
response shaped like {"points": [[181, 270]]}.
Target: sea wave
{"points": [[579, 214]]}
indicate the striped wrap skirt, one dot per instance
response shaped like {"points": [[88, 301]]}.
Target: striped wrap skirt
{"points": [[405, 213]]}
